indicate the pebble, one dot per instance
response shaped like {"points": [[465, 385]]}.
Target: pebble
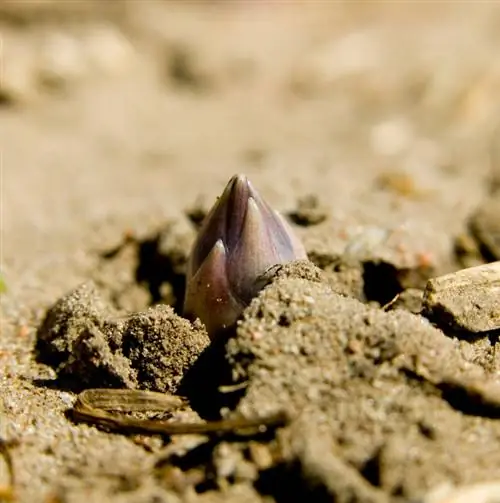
{"points": [[467, 300]]}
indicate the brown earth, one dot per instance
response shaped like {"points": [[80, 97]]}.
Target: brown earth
{"points": [[372, 126]]}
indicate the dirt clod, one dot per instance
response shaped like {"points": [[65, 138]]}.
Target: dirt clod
{"points": [[91, 345], [365, 400]]}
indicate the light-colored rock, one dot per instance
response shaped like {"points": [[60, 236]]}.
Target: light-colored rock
{"points": [[468, 300]]}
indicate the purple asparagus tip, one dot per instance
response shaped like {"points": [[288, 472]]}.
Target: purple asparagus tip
{"points": [[239, 240]]}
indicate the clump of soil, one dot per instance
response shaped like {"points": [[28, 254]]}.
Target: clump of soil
{"points": [[91, 344], [377, 397], [386, 406], [381, 401], [377, 263]]}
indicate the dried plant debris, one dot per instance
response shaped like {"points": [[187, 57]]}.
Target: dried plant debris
{"points": [[98, 406], [485, 227], [92, 345], [391, 395], [467, 300], [409, 300]]}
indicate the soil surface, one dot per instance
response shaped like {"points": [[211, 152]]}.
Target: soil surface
{"points": [[373, 127]]}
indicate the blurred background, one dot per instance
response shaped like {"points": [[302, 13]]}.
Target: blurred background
{"points": [[119, 114]]}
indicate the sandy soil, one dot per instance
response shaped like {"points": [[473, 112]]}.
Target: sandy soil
{"points": [[372, 126]]}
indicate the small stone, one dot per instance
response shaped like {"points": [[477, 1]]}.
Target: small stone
{"points": [[467, 300], [91, 344]]}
